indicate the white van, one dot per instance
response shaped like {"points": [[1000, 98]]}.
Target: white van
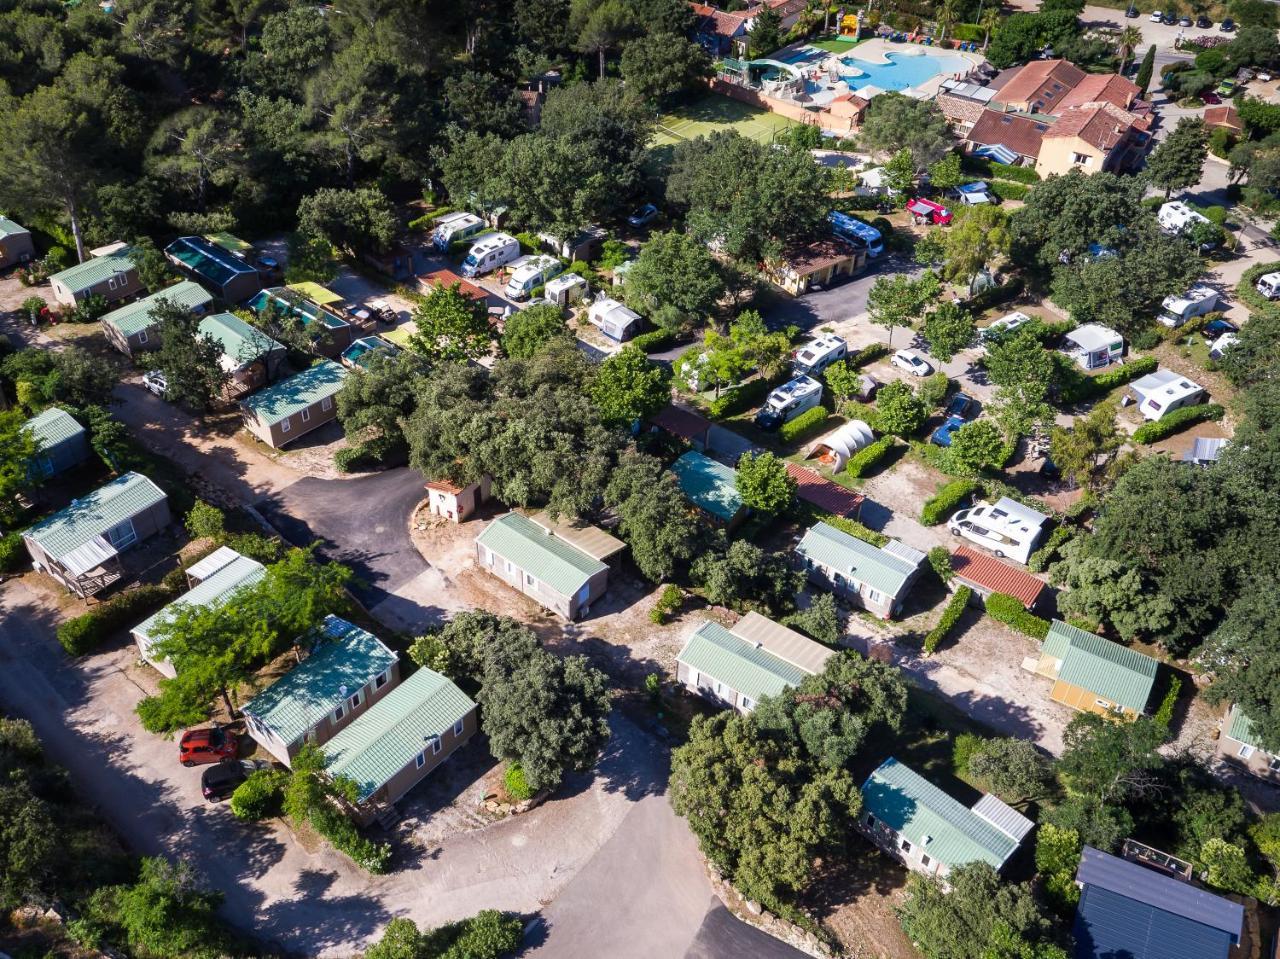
{"points": [[1197, 301], [788, 401], [490, 252], [1269, 285], [816, 355], [529, 272], [1007, 528], [1175, 216], [455, 226]]}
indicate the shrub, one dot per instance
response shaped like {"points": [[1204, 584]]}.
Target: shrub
{"points": [[965, 747], [256, 546], [1008, 191], [940, 560], [809, 423], [1010, 610], [205, 520], [653, 341], [1177, 421], [669, 601], [328, 820], [950, 616], [861, 462], [516, 784], [868, 354], [933, 389], [1046, 554], [1164, 715], [13, 552], [1248, 293], [982, 167], [739, 398], [850, 526], [260, 796], [1080, 387], [939, 506], [349, 459], [86, 632]]}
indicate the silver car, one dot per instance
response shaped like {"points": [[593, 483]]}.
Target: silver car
{"points": [[154, 382], [912, 362]]}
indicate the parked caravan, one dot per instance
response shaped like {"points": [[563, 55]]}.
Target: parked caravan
{"points": [[788, 401], [566, 289], [530, 272], [1197, 301], [614, 320], [863, 236], [1175, 216], [455, 226], [490, 252], [814, 357]]}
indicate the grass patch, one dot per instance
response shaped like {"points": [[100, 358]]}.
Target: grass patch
{"points": [[714, 112], [835, 44]]}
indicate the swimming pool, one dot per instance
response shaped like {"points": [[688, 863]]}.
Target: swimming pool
{"points": [[902, 71]]}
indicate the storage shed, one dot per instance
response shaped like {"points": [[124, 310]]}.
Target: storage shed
{"points": [[61, 443]]}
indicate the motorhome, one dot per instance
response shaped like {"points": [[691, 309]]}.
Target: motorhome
{"points": [[531, 272], [453, 227], [788, 401], [1197, 301], [490, 252], [1269, 285], [926, 211], [1007, 528], [1175, 216], [815, 356], [863, 236]]}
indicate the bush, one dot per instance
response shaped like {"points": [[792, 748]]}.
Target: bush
{"points": [[861, 462], [1046, 554], [940, 560], [982, 167], [1008, 191], [328, 820], [739, 398], [1248, 293], [809, 423], [669, 601], [86, 632], [516, 784], [939, 506], [13, 552], [868, 354], [1164, 715], [950, 616], [260, 796], [966, 746], [205, 520], [1010, 610], [933, 389], [1081, 387], [1177, 421], [850, 526], [653, 341]]}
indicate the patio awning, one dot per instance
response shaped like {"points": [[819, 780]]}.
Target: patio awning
{"points": [[88, 557]]}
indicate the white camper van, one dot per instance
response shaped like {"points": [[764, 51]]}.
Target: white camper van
{"points": [[788, 401], [1197, 301], [816, 355], [1175, 216], [455, 226], [530, 272], [490, 252], [1269, 285], [1007, 528]]}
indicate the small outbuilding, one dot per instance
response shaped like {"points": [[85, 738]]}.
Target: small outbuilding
{"points": [[1239, 744], [692, 427], [16, 245], [877, 578], [710, 486], [61, 443], [986, 575], [821, 493], [428, 283], [552, 571], [132, 329], [816, 264], [294, 407], [1094, 346], [457, 503], [565, 290], [80, 545], [224, 273], [249, 356], [1205, 451], [835, 449], [1164, 390], [112, 275]]}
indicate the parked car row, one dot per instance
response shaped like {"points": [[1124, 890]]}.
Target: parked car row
{"points": [[217, 749], [1171, 20]]}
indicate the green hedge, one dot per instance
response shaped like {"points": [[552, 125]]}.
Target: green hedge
{"points": [[739, 398], [1164, 715], [868, 354], [939, 506], [1010, 610], [981, 166], [1047, 553], [809, 423], [950, 616], [1083, 387], [86, 632], [653, 341], [1008, 191], [1177, 421], [850, 526], [13, 552], [1248, 293], [260, 796], [861, 462]]}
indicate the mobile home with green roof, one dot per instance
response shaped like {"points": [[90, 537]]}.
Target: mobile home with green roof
{"points": [[1240, 745], [1093, 674], [16, 245], [249, 356], [132, 329], [295, 406], [346, 672], [112, 275], [228, 275], [877, 578], [61, 443]]}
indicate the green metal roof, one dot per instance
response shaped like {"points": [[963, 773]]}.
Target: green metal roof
{"points": [[297, 392], [742, 666], [1116, 673], [108, 506], [208, 260], [708, 485], [9, 228], [214, 591], [855, 559], [395, 729], [943, 827], [549, 559], [343, 655], [136, 317], [240, 342], [52, 427], [94, 270], [1240, 728]]}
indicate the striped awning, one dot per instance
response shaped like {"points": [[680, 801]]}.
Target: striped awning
{"points": [[88, 557], [998, 152]]}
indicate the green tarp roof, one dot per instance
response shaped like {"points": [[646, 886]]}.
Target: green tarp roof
{"points": [[918, 810], [136, 317], [228, 242], [1116, 673], [108, 506], [94, 270], [744, 667], [549, 559], [297, 392], [343, 656], [386, 737], [52, 427], [708, 485], [856, 560]]}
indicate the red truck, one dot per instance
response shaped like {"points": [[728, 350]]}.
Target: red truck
{"points": [[926, 211]]}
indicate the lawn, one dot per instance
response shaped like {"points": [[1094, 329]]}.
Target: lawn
{"points": [[835, 44], [714, 112]]}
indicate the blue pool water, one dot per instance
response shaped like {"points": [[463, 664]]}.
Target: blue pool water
{"points": [[902, 70]]}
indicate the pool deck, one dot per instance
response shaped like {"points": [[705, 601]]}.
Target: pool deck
{"points": [[875, 51]]}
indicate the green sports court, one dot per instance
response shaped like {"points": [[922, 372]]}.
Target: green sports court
{"points": [[714, 112]]}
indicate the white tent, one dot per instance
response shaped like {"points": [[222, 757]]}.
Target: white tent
{"points": [[836, 447]]}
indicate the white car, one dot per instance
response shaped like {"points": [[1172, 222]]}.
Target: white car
{"points": [[1006, 324], [1157, 16], [912, 362], [154, 382]]}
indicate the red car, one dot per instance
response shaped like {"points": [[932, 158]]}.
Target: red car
{"points": [[207, 746], [926, 211], [1210, 98]]}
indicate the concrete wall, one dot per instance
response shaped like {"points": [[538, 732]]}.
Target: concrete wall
{"points": [[276, 436], [17, 248]]}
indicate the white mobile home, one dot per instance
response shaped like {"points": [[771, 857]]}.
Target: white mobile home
{"points": [[455, 226], [566, 289], [1269, 285], [530, 274], [1164, 390], [1175, 216], [1197, 301]]}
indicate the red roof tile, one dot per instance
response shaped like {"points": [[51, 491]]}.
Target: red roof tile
{"points": [[1102, 125], [447, 278], [444, 486], [1225, 116], [823, 493], [1046, 80], [1100, 87], [1020, 134], [989, 573], [683, 423]]}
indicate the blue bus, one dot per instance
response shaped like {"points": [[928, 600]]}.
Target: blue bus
{"points": [[860, 234]]}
